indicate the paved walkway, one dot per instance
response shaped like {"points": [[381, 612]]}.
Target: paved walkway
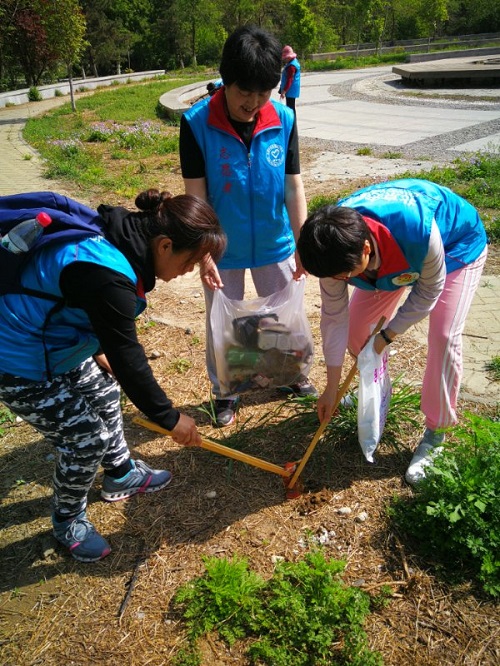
{"points": [[343, 111]]}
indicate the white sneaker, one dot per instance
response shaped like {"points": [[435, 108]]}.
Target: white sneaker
{"points": [[348, 400], [425, 453]]}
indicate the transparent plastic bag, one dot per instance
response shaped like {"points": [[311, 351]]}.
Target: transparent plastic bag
{"points": [[374, 397], [261, 342]]}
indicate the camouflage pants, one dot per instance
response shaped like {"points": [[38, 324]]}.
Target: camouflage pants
{"points": [[79, 413]]}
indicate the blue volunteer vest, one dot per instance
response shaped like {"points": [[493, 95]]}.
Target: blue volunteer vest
{"points": [[405, 210], [30, 338], [294, 90], [246, 188]]}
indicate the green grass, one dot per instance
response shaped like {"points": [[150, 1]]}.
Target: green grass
{"points": [[476, 177], [351, 62], [116, 142]]}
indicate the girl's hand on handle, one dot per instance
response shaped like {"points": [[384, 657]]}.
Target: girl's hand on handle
{"points": [[185, 432], [325, 405]]}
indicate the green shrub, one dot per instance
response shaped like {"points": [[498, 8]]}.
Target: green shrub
{"points": [[455, 513], [303, 616], [34, 95]]}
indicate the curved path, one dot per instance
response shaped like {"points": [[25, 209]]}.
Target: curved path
{"points": [[339, 113]]}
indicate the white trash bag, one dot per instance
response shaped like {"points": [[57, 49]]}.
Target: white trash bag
{"points": [[261, 342], [374, 397]]}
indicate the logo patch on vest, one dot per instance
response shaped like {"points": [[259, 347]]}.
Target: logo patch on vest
{"points": [[405, 278], [275, 155]]}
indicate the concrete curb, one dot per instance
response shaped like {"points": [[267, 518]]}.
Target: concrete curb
{"points": [[15, 97], [175, 102]]}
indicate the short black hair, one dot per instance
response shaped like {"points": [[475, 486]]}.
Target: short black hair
{"points": [[251, 58], [331, 241]]}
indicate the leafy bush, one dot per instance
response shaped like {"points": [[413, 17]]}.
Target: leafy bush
{"points": [[34, 95], [457, 507], [303, 616]]}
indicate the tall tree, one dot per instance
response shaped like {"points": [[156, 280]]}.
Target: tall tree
{"points": [[113, 28], [65, 26], [432, 14], [28, 40], [302, 26], [191, 16]]}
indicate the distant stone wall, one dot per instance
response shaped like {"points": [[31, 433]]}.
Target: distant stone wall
{"points": [[474, 53], [416, 53], [46, 92]]}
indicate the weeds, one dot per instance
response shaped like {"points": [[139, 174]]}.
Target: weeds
{"points": [[455, 515], [493, 368], [303, 615], [181, 366], [476, 177], [6, 416], [404, 410]]}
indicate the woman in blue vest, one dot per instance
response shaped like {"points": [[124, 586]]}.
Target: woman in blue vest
{"points": [[290, 77], [67, 352], [381, 239], [239, 151]]}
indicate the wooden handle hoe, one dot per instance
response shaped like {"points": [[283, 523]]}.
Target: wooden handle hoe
{"points": [[221, 450], [340, 394]]}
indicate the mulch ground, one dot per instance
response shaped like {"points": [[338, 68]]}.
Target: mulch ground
{"points": [[55, 611]]}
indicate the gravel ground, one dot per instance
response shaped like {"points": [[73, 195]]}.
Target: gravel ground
{"points": [[388, 88]]}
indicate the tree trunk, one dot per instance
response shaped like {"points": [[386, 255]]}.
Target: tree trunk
{"points": [[193, 42], [71, 91]]}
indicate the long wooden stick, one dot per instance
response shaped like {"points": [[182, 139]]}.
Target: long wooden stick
{"points": [[221, 449], [340, 394]]}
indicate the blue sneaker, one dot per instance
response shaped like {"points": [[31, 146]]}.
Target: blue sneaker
{"points": [[140, 479], [84, 542]]}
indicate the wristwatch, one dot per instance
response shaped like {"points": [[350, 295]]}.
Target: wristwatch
{"points": [[385, 336]]}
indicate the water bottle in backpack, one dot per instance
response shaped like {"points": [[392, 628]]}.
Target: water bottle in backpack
{"points": [[25, 234]]}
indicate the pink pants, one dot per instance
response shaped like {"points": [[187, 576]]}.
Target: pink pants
{"points": [[443, 372]]}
